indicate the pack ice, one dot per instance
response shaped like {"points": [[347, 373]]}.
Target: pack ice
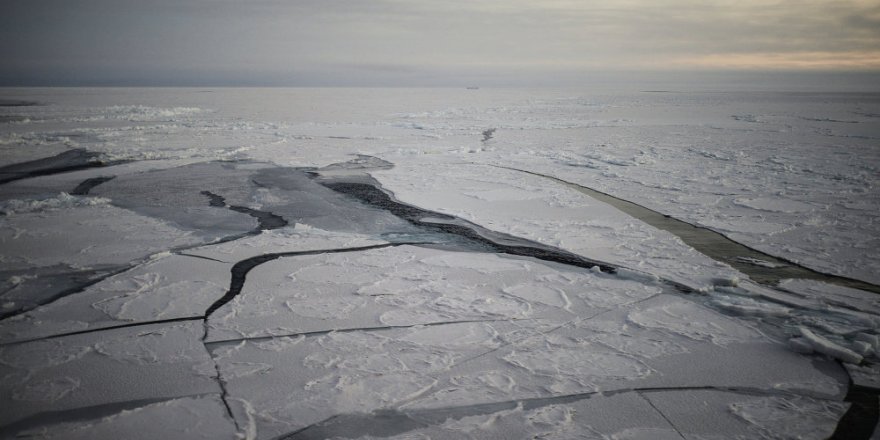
{"points": [[408, 264]]}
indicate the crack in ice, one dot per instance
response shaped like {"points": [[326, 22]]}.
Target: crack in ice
{"points": [[713, 244]]}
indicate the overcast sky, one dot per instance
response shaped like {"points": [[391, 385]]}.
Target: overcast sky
{"points": [[422, 42]]}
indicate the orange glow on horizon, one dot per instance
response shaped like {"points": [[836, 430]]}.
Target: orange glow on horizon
{"points": [[867, 60]]}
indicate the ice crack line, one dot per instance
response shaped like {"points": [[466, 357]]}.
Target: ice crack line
{"points": [[224, 393], [267, 220], [78, 288], [474, 235], [522, 338], [86, 185], [861, 418], [102, 329], [94, 412], [71, 160], [239, 276], [713, 244], [364, 329], [437, 222], [657, 410], [241, 269], [391, 422]]}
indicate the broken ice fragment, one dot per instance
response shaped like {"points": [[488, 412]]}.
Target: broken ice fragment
{"points": [[829, 348], [873, 340], [800, 345], [862, 348]]}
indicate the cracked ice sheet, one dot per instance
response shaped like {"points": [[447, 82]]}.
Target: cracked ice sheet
{"points": [[834, 295], [68, 181], [171, 286], [454, 365], [291, 383], [711, 414], [704, 348], [538, 209], [184, 418], [298, 238], [620, 417], [73, 372], [710, 349], [86, 236], [409, 285], [661, 342]]}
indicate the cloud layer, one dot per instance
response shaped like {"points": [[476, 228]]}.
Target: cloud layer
{"points": [[353, 41]]}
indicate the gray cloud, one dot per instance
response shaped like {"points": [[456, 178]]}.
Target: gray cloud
{"points": [[420, 41]]}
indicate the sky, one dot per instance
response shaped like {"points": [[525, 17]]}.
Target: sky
{"points": [[424, 42]]}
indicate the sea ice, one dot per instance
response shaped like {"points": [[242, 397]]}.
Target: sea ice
{"points": [[409, 285], [835, 295], [182, 418], [552, 215], [494, 345], [621, 416], [829, 348], [314, 378], [87, 236], [49, 376], [298, 238], [168, 287], [700, 414]]}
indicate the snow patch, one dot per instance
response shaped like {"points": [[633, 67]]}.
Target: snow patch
{"points": [[692, 321], [61, 201], [791, 417]]}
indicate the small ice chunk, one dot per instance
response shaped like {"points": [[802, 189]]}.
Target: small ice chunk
{"points": [[160, 255], [629, 274], [829, 348], [731, 281], [866, 303], [760, 263], [762, 310], [867, 376], [59, 202], [862, 348], [874, 340], [800, 345]]}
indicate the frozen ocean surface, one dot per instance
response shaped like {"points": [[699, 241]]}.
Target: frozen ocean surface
{"points": [[429, 263]]}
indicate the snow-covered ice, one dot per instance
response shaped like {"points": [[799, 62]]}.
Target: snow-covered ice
{"points": [[699, 414], [408, 285], [167, 287], [183, 418], [152, 362], [401, 263]]}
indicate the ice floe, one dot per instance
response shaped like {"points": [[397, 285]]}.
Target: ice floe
{"points": [[706, 413], [168, 287], [182, 418], [76, 372], [161, 303]]}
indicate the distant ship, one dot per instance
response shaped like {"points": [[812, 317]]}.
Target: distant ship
{"points": [[473, 88]]}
